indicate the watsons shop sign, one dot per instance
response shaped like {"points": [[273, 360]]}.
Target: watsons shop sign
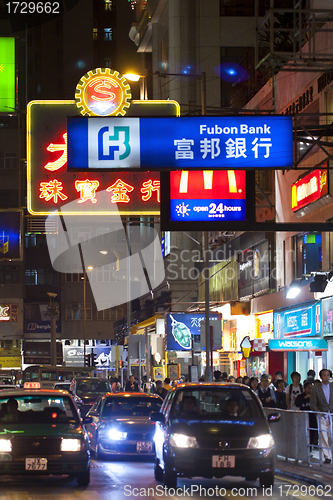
{"points": [[297, 345]]}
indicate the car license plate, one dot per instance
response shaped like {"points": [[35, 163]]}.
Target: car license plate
{"points": [[146, 446], [223, 461], [36, 464]]}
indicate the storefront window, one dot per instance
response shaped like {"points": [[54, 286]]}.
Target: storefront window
{"points": [[308, 253]]}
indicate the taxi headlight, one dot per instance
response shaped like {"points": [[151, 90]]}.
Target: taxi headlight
{"points": [[261, 442], [5, 445], [116, 435], [183, 441], [70, 445]]}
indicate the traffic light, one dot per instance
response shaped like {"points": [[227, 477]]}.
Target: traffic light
{"points": [[87, 360], [93, 359]]}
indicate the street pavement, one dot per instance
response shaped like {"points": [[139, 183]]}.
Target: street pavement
{"points": [[302, 472]]}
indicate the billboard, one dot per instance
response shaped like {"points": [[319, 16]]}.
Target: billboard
{"points": [[184, 329], [7, 75], [208, 195], [230, 142], [302, 321], [50, 186]]}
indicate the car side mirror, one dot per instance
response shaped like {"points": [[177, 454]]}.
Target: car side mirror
{"points": [[156, 416], [86, 420], [273, 417]]}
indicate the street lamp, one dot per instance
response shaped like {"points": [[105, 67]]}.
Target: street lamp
{"points": [[133, 77], [53, 307]]}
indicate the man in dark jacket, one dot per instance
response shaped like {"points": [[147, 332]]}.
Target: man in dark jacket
{"points": [[131, 385], [160, 391]]}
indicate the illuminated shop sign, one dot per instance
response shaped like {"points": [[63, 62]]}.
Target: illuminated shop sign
{"points": [[51, 186], [297, 345], [300, 322], [207, 195], [235, 142], [10, 235], [7, 75], [184, 329], [309, 189], [9, 312], [102, 92]]}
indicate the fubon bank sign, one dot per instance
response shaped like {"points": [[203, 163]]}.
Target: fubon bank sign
{"points": [[236, 142]]}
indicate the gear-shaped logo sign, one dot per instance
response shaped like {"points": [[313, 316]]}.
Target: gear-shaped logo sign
{"points": [[103, 92]]}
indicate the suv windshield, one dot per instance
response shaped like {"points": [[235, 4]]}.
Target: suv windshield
{"points": [[37, 409], [130, 407], [92, 386], [215, 404]]}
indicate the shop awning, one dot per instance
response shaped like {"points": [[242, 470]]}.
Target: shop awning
{"points": [[139, 329], [298, 344]]}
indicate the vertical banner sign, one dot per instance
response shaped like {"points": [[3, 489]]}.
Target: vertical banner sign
{"points": [[7, 74]]}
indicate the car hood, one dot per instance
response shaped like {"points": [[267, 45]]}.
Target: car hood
{"points": [[137, 424], [45, 430], [221, 428]]}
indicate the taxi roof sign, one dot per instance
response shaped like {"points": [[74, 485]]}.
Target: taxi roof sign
{"points": [[31, 385]]}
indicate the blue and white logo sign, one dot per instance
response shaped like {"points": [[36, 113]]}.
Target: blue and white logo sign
{"points": [[297, 345], [230, 142], [300, 322]]}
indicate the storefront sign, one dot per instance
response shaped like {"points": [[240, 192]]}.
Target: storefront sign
{"points": [[327, 313], [9, 312], [300, 322], [10, 362], [74, 356], [183, 329], [50, 186], [7, 75], [39, 353], [254, 266], [208, 195], [297, 345], [309, 189], [232, 142]]}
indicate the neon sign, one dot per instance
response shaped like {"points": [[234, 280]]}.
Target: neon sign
{"points": [[309, 189], [103, 92]]}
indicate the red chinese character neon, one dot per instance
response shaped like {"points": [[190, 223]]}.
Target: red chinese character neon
{"points": [[87, 190], [60, 162], [120, 190], [148, 188], [52, 189]]}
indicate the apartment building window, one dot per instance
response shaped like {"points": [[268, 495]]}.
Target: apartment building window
{"points": [[108, 5], [40, 277], [107, 34], [73, 277], [9, 274], [8, 161], [30, 240], [105, 314], [108, 62], [110, 313], [308, 253], [95, 33], [75, 312]]}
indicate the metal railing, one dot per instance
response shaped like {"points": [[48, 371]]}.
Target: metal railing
{"points": [[296, 439]]}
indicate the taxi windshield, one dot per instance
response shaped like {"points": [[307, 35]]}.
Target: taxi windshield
{"points": [[92, 386], [36, 409], [130, 407], [215, 404]]}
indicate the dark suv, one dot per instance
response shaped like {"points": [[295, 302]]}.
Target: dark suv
{"points": [[208, 430], [88, 389]]}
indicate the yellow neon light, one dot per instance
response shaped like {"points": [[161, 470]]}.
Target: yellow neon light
{"points": [[183, 185], [208, 179], [232, 181]]}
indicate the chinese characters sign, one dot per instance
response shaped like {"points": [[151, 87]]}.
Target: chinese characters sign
{"points": [[236, 142], [51, 186], [184, 329], [300, 322], [207, 195], [309, 189]]}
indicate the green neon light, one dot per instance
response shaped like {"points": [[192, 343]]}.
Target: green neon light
{"points": [[11, 432], [7, 74]]}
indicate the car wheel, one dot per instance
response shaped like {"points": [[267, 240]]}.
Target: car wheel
{"points": [[266, 479], [169, 478], [83, 479], [158, 472]]}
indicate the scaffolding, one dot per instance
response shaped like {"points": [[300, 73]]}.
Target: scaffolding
{"points": [[293, 37]]}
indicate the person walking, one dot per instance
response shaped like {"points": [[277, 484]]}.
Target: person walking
{"points": [[131, 385], [266, 393], [322, 401]]}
